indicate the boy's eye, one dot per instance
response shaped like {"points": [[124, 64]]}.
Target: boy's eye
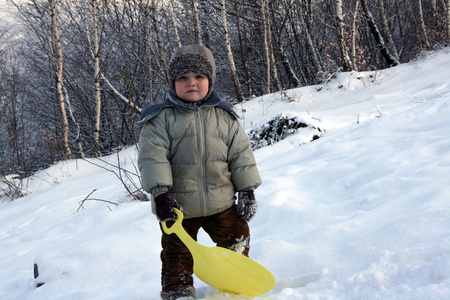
{"points": [[200, 76], [182, 77]]}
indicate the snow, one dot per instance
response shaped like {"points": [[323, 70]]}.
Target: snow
{"points": [[361, 213]]}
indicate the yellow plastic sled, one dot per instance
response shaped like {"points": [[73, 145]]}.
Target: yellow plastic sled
{"points": [[222, 268]]}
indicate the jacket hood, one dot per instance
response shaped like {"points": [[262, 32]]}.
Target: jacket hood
{"points": [[192, 59]]}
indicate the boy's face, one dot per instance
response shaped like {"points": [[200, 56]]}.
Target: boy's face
{"points": [[192, 86]]}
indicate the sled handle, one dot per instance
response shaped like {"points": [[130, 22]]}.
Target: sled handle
{"points": [[177, 225]]}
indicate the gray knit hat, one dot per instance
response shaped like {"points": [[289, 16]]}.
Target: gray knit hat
{"points": [[192, 59]]}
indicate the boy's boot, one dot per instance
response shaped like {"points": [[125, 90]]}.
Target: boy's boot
{"points": [[179, 292]]}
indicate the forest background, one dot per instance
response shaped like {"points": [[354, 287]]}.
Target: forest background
{"points": [[75, 74]]}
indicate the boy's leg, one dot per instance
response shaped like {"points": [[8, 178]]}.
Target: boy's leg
{"points": [[177, 263], [227, 230]]}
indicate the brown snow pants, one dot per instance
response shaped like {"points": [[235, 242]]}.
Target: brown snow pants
{"points": [[226, 229]]}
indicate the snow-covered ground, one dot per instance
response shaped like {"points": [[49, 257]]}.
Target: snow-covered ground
{"points": [[361, 213]]}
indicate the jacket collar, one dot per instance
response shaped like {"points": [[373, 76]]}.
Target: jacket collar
{"points": [[212, 100], [173, 101]]}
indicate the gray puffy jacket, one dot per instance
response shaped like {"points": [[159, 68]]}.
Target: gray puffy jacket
{"points": [[201, 154]]}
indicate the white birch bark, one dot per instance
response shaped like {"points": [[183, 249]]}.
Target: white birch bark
{"points": [[175, 28], [448, 20], [355, 15], [422, 25], [387, 32], [273, 67], [230, 54], [188, 22], [390, 59], [266, 44], [149, 51], [159, 42], [197, 23], [346, 62], [98, 103], [59, 83]]}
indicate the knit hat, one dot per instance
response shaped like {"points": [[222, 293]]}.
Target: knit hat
{"points": [[192, 59]]}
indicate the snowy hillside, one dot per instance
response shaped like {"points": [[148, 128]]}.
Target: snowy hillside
{"points": [[363, 212]]}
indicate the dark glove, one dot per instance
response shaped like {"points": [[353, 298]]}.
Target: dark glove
{"points": [[163, 205], [246, 205]]}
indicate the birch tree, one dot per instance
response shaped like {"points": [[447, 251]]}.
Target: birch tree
{"points": [[98, 100], [175, 28], [387, 32], [237, 85], [188, 22], [59, 81], [448, 20], [422, 24], [304, 11], [198, 27], [346, 62], [159, 41], [390, 59], [149, 49], [355, 14], [266, 43]]}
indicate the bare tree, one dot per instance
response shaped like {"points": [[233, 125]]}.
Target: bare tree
{"points": [[346, 62], [390, 59], [186, 9], [448, 20], [174, 24], [149, 48], [355, 14], [387, 32], [304, 11], [237, 85], [98, 99], [159, 41], [59, 81], [422, 24], [273, 68], [198, 26], [266, 43]]}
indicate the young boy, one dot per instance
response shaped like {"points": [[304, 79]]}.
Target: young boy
{"points": [[194, 155]]}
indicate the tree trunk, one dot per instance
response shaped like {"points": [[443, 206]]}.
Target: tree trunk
{"points": [[197, 23], [204, 6], [387, 32], [422, 25], [346, 62], [186, 9], [271, 51], [175, 28], [243, 49], [98, 103], [149, 51], [237, 85], [72, 116], [305, 13], [266, 44], [310, 34], [355, 14], [59, 83], [448, 20], [293, 79], [159, 42], [390, 59]]}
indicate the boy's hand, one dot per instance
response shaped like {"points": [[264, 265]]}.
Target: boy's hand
{"points": [[163, 205], [246, 205]]}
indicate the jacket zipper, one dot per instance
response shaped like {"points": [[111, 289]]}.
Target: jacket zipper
{"points": [[202, 162]]}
